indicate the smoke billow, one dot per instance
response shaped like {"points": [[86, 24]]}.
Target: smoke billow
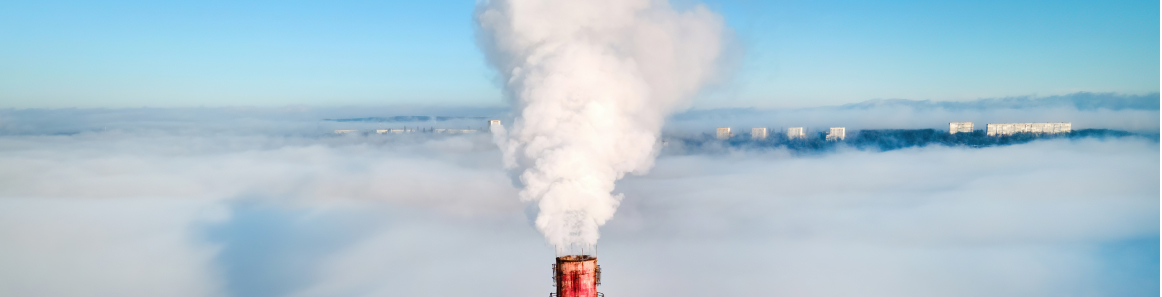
{"points": [[592, 83]]}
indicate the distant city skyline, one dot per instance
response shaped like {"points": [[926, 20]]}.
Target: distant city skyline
{"points": [[62, 54]]}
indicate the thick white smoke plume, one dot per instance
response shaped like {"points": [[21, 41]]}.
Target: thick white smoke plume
{"points": [[592, 83]]}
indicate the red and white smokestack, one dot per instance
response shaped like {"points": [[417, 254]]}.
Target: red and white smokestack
{"points": [[577, 276]]}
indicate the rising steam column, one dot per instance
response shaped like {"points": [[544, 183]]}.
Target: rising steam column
{"points": [[577, 276]]}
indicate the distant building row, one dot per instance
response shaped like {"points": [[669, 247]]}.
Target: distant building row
{"points": [[836, 133], [1013, 128], [412, 130], [492, 126], [839, 133]]}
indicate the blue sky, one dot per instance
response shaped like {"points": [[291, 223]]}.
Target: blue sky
{"points": [[61, 54]]}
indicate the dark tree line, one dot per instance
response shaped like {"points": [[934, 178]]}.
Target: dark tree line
{"points": [[893, 139]]}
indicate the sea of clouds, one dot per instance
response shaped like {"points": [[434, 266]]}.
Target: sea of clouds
{"points": [[267, 202]]}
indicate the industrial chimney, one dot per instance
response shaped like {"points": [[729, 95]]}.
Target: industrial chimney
{"points": [[577, 276]]}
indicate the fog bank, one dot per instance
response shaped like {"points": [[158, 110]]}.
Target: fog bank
{"points": [[195, 211]]}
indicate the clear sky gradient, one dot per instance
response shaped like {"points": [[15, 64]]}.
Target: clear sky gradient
{"points": [[790, 53]]}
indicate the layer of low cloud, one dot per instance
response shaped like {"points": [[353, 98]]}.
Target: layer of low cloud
{"points": [[1085, 110], [1031, 219], [193, 208], [283, 121]]}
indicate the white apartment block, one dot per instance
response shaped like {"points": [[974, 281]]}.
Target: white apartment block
{"points": [[796, 133], [1014, 128], [493, 125], [959, 127], [724, 133], [758, 133], [837, 133]]}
